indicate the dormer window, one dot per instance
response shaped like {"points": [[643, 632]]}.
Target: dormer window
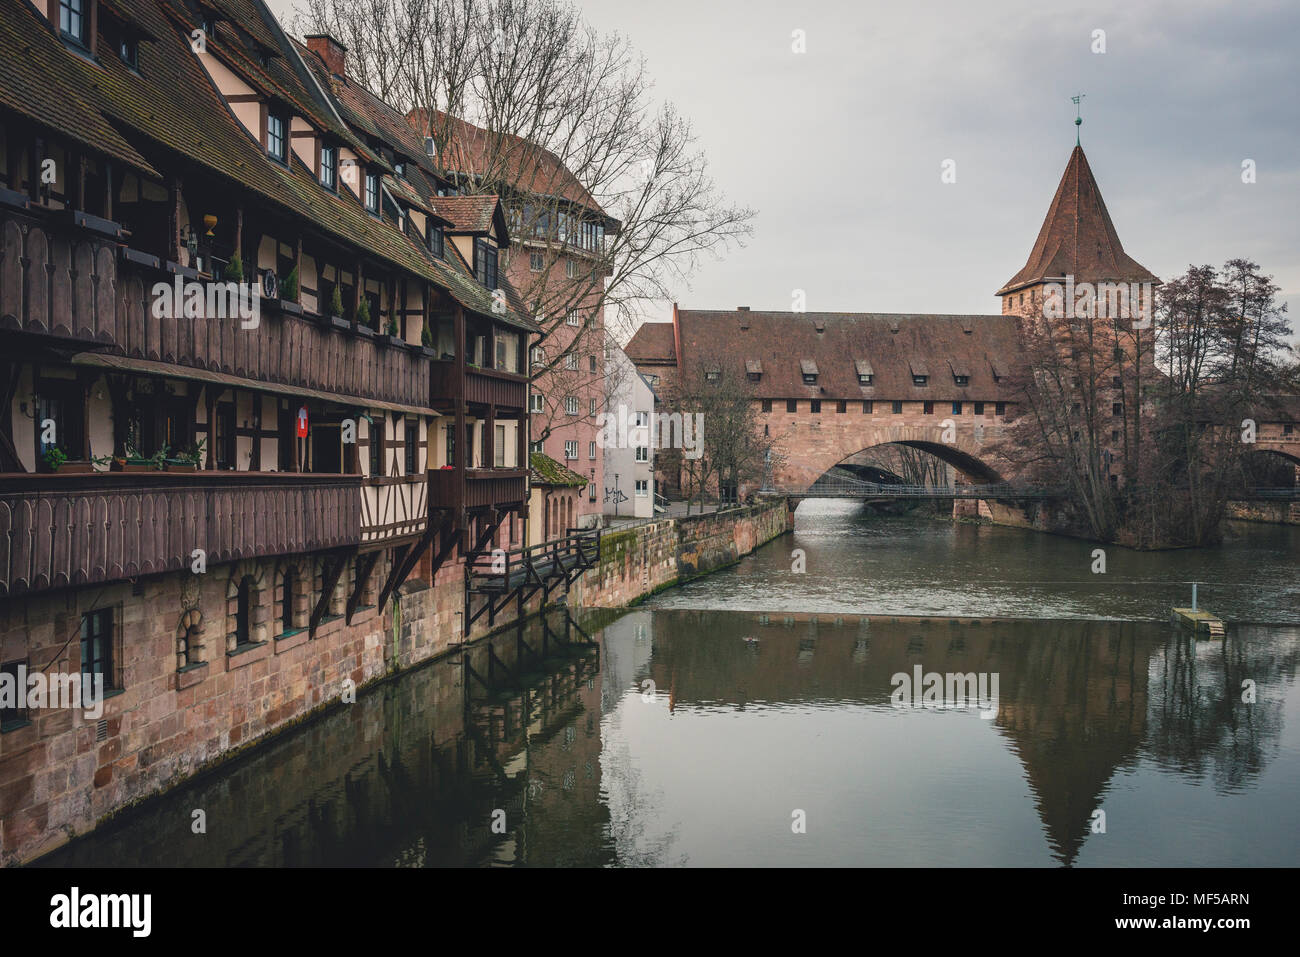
{"points": [[961, 379], [864, 378], [435, 240], [712, 375], [276, 141], [865, 373], [753, 370], [72, 19], [808, 369], [485, 263], [920, 380], [329, 167], [920, 374], [372, 192], [128, 51]]}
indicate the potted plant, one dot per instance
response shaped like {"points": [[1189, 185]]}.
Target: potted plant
{"points": [[363, 317], [336, 310], [394, 336], [132, 461], [235, 268], [289, 293], [188, 460], [54, 457], [426, 342]]}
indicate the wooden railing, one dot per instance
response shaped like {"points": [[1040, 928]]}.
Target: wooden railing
{"points": [[482, 487], [505, 390], [76, 529], [60, 280]]}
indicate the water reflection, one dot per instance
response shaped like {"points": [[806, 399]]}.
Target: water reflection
{"points": [[688, 737]]}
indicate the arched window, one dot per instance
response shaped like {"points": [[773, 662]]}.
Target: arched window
{"points": [[243, 611], [286, 600]]}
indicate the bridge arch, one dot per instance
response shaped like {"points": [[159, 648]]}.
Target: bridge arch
{"points": [[810, 456]]}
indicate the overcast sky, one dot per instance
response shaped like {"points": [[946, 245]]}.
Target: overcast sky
{"points": [[840, 148]]}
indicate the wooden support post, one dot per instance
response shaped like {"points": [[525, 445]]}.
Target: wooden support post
{"points": [[364, 568], [329, 580]]}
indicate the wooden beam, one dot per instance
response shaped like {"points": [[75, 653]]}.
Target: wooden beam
{"points": [[329, 580], [367, 565]]}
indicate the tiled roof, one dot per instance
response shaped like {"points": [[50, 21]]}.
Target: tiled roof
{"points": [[653, 342], [470, 149], [1077, 237], [471, 214], [544, 470], [892, 346]]}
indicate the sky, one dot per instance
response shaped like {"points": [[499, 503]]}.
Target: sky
{"points": [[840, 149]]}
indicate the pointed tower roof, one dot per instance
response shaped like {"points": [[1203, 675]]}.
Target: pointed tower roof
{"points": [[1078, 237]]}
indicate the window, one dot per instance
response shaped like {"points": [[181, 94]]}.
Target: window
{"points": [[372, 192], [377, 449], [485, 263], [571, 407], [640, 420], [539, 355], [841, 406], [792, 405], [1119, 352], [642, 488], [436, 243], [286, 601], [571, 318], [72, 19], [712, 375], [591, 406], [275, 138], [999, 408], [570, 268], [928, 408], [898, 408], [1117, 408], [412, 448], [1116, 382], [535, 262], [535, 402], [591, 362], [400, 169], [920, 379], [128, 51], [1114, 435], [329, 167], [867, 406], [642, 453], [766, 405], [499, 447], [956, 408], [979, 408], [571, 361], [591, 451], [961, 379], [535, 446], [571, 449], [864, 379], [97, 644], [244, 612], [810, 378], [815, 406], [13, 717]]}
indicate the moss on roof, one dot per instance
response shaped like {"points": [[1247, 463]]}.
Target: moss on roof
{"points": [[547, 471]]}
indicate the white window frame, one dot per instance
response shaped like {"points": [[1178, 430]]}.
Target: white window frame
{"points": [[642, 488], [535, 402], [571, 449], [571, 406], [591, 451], [643, 453], [571, 318]]}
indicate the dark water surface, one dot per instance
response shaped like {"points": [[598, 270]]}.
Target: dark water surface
{"points": [[697, 737]]}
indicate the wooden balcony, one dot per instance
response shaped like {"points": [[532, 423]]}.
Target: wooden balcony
{"points": [[75, 529], [481, 488], [505, 390], [73, 284]]}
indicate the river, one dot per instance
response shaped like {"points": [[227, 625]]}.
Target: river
{"points": [[753, 718]]}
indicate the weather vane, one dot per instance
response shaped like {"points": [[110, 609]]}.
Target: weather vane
{"points": [[1078, 118]]}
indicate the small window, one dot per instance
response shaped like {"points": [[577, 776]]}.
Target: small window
{"points": [[591, 451], [810, 378], [642, 453], [499, 447], [792, 405], [128, 51], [815, 405], [591, 405], [570, 269], [329, 167], [713, 375], [539, 355], [436, 242], [928, 408], [376, 450], [244, 612], [999, 408], [640, 420], [13, 716], [864, 379], [535, 402], [571, 361], [286, 601], [571, 318], [72, 19], [961, 379], [1114, 435], [485, 263], [412, 448], [97, 645], [571, 449], [372, 192], [535, 446], [956, 408], [642, 488], [591, 362], [275, 138], [1117, 408], [535, 262], [979, 408], [766, 405], [898, 408], [571, 408], [920, 379], [867, 406]]}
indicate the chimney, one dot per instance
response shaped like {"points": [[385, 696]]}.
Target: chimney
{"points": [[330, 50]]}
